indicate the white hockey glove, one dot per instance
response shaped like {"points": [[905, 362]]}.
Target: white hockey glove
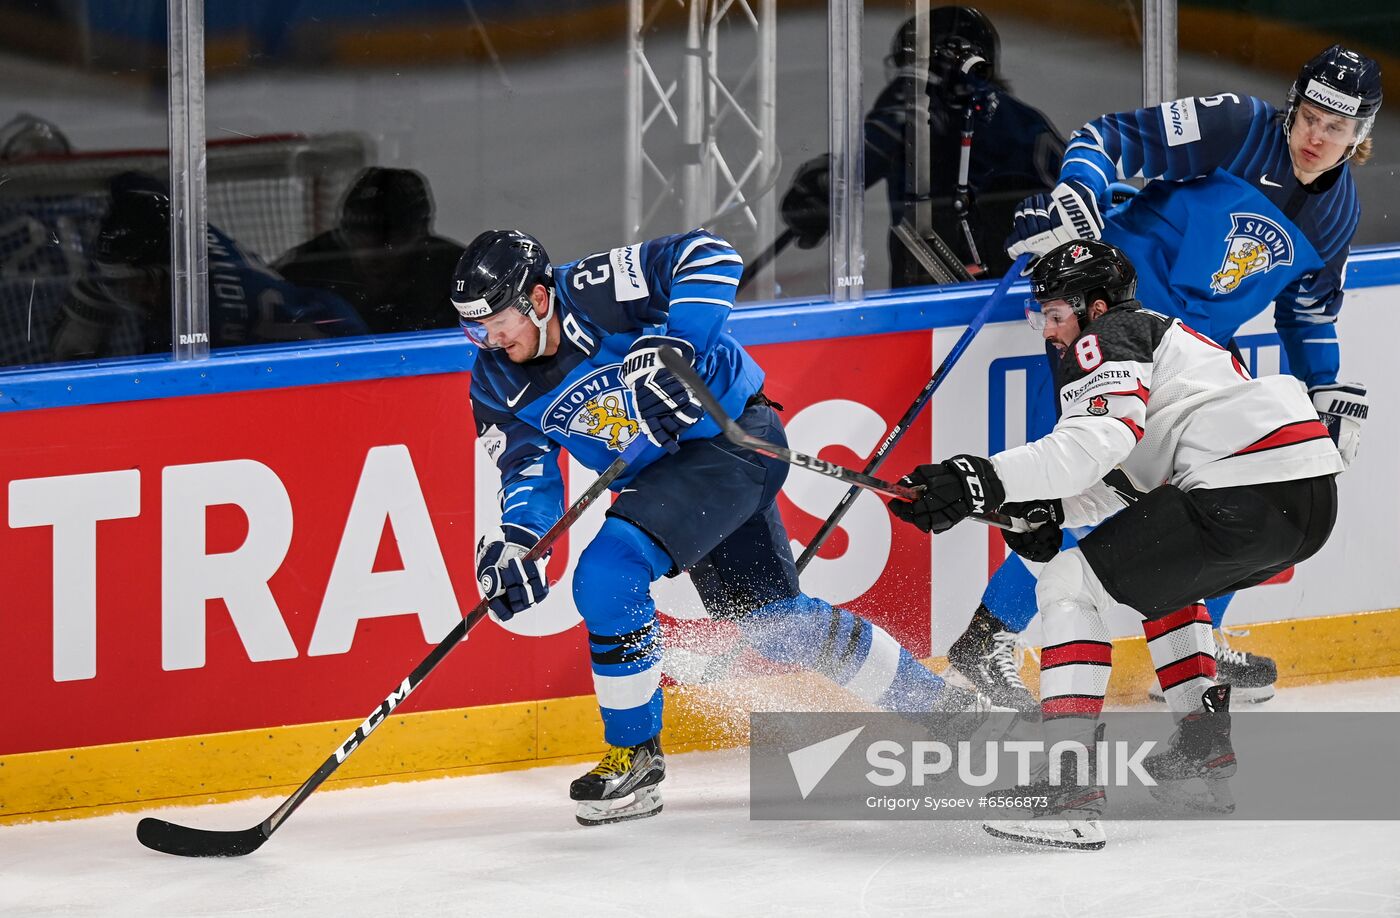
{"points": [[509, 583], [1342, 407], [1043, 221], [666, 406]]}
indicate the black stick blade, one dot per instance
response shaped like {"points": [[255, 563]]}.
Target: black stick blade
{"points": [[169, 838]]}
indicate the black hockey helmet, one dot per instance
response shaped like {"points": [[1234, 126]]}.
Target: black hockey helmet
{"points": [[1079, 273], [387, 206], [135, 230], [959, 25], [497, 272], [1342, 82]]}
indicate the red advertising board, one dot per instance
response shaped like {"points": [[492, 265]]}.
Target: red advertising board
{"points": [[220, 562]]}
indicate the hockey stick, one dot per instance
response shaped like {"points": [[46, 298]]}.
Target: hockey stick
{"points": [[740, 437], [762, 259], [902, 425], [187, 841]]}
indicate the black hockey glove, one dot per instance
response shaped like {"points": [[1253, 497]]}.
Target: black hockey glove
{"points": [[1042, 542], [666, 406], [806, 207], [951, 490], [510, 583]]}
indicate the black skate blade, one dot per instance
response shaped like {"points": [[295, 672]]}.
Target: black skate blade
{"points": [[1046, 842]]}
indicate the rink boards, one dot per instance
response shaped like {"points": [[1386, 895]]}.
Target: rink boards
{"points": [[209, 567]]}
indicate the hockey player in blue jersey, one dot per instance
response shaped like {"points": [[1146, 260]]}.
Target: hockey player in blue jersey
{"points": [[1248, 206], [568, 360], [123, 305]]}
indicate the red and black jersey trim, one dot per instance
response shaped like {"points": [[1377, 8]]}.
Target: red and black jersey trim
{"points": [[1133, 426], [1288, 435], [1141, 392]]}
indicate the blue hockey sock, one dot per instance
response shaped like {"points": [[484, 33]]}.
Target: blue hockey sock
{"points": [[857, 655], [1010, 594], [612, 590], [1216, 607]]}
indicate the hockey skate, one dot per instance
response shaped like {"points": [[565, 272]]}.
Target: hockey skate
{"points": [[966, 714], [984, 657], [1064, 815], [625, 772], [1195, 769], [1250, 676]]}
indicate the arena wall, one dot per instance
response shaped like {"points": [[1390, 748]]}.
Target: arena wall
{"points": [[215, 569]]}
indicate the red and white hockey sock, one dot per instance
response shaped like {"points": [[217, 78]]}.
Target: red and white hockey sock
{"points": [[1074, 669], [1078, 653], [1183, 653]]}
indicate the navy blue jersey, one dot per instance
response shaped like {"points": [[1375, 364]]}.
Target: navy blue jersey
{"points": [[682, 286], [1015, 151], [249, 303], [1230, 229], [1015, 147]]}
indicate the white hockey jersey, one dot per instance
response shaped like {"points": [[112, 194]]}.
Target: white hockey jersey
{"points": [[1145, 392]]}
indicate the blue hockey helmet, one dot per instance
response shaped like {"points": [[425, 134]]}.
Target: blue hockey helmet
{"points": [[1341, 82], [497, 272]]}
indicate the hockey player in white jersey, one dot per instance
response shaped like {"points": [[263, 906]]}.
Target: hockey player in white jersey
{"points": [[1238, 475], [1249, 208]]}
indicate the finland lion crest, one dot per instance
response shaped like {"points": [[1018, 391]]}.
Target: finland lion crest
{"points": [[597, 406], [1254, 245]]}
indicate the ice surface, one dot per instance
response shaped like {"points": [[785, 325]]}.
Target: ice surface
{"points": [[507, 844]]}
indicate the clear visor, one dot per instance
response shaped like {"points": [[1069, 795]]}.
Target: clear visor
{"points": [[1053, 314], [1330, 126], [495, 331]]}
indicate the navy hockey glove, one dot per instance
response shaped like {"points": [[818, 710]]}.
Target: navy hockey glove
{"points": [[952, 490], [509, 582], [806, 207], [1043, 221], [1342, 407], [1042, 542], [666, 406]]}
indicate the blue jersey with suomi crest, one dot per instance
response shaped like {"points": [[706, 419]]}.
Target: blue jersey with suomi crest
{"points": [[682, 286], [1231, 229]]}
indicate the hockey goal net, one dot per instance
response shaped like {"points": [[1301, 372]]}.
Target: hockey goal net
{"points": [[268, 193]]}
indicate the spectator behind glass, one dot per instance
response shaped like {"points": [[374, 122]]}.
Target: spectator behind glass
{"points": [[124, 306], [1016, 151], [383, 257], [27, 136]]}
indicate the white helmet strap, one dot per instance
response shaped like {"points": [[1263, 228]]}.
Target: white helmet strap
{"points": [[542, 323]]}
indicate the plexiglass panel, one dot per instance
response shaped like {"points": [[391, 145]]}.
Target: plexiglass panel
{"points": [[1015, 80], [84, 206]]}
